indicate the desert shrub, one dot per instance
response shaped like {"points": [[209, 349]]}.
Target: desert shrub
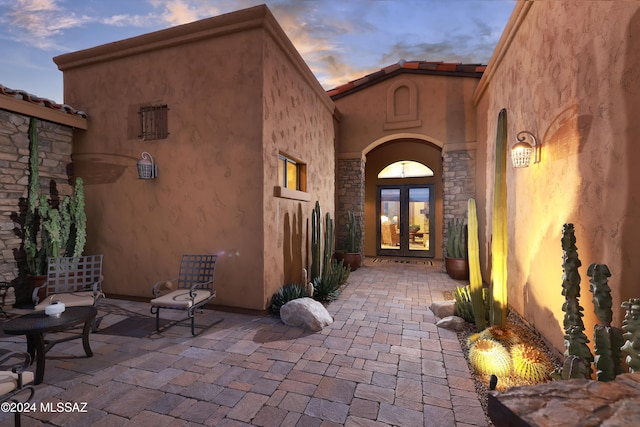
{"points": [[285, 294]]}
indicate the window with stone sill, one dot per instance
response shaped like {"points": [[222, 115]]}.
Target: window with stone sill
{"points": [[292, 179]]}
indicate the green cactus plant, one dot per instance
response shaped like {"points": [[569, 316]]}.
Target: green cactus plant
{"points": [[462, 307], [50, 230], [607, 339], [631, 328], [530, 364], [503, 335], [575, 339], [489, 357], [456, 241], [354, 232], [499, 244], [316, 235], [285, 294], [475, 275]]}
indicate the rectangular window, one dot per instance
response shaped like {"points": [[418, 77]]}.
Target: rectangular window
{"points": [[291, 173], [153, 122]]}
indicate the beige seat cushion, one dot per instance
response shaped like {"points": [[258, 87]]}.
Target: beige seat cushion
{"points": [[9, 380], [180, 298], [74, 299]]}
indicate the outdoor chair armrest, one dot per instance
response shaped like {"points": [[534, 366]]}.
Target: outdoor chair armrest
{"points": [[19, 363], [162, 285], [34, 296], [197, 286]]}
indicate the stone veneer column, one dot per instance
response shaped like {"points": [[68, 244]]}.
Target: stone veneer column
{"points": [[459, 185], [350, 191], [55, 143]]}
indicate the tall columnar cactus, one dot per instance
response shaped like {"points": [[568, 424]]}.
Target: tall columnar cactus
{"points": [[575, 340], [30, 244], [499, 244], [475, 275], [631, 328], [316, 234], [328, 244], [607, 339]]}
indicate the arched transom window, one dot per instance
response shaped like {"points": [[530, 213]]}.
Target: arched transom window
{"points": [[405, 169]]}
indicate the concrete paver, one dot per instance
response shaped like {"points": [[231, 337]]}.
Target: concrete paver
{"points": [[383, 362]]}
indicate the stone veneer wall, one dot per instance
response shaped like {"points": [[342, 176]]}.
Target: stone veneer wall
{"points": [[55, 143], [350, 194], [458, 178]]}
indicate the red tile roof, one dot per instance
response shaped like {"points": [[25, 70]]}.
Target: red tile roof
{"points": [[414, 67], [44, 102]]}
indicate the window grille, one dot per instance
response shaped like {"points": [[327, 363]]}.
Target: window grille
{"points": [[153, 122]]}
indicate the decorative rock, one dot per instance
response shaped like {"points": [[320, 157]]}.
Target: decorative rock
{"points": [[454, 323], [574, 402], [305, 313], [442, 309]]}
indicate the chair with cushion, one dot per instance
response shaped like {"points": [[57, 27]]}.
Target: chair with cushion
{"points": [[190, 291], [73, 281], [13, 380]]}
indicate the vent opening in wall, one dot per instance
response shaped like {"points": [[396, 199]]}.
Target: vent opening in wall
{"points": [[153, 122]]}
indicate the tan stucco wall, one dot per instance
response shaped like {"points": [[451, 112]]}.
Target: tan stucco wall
{"points": [[212, 193], [298, 122], [568, 72]]}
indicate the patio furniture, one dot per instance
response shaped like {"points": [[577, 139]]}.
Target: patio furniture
{"points": [[73, 281], [35, 325], [13, 380], [194, 288]]}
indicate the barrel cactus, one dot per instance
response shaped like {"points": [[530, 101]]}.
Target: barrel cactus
{"points": [[490, 357], [504, 336], [530, 364]]}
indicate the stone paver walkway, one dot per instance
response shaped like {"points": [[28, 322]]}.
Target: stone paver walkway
{"points": [[382, 362]]}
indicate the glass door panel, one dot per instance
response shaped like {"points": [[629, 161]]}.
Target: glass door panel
{"points": [[390, 217], [406, 220], [419, 219]]}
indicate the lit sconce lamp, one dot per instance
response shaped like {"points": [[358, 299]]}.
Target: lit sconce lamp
{"points": [[147, 169], [521, 150]]}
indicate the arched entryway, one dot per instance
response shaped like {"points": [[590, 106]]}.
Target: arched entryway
{"points": [[397, 203]]}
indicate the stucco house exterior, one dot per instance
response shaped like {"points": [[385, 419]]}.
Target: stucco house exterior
{"points": [[238, 107]]}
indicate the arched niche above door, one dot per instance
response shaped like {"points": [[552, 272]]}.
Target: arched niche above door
{"points": [[402, 105]]}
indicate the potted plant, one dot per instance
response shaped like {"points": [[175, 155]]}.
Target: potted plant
{"points": [[351, 255], [50, 229], [455, 261]]}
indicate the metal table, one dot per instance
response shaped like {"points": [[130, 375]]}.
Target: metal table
{"points": [[35, 325]]}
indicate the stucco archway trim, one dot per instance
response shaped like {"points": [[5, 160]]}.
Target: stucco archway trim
{"points": [[404, 135]]}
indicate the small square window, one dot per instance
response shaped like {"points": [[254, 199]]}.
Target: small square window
{"points": [[153, 122], [291, 173]]}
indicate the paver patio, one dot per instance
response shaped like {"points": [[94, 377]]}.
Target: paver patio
{"points": [[382, 362]]}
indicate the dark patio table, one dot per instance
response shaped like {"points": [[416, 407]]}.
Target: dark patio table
{"points": [[35, 325]]}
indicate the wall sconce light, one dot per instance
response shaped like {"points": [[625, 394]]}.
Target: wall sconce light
{"points": [[521, 150], [147, 169]]}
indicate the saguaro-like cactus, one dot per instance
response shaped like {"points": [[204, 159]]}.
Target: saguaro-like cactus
{"points": [[631, 328], [607, 339], [475, 275], [316, 233], [499, 240], [575, 341], [328, 244]]}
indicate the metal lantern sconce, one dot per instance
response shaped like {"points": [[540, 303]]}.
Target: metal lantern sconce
{"points": [[147, 169], [522, 150]]}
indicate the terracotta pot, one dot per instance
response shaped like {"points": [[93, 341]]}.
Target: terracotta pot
{"points": [[457, 268], [351, 259]]}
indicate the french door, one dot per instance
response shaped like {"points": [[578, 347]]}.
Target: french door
{"points": [[405, 220]]}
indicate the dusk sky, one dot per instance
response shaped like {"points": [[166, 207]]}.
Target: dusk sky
{"points": [[340, 40]]}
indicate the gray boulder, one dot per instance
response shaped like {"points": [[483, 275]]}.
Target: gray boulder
{"points": [[305, 313], [442, 309], [453, 323]]}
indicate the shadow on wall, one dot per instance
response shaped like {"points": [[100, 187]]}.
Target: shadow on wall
{"points": [[292, 247]]}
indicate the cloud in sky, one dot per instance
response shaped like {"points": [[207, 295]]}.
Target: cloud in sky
{"points": [[340, 40]]}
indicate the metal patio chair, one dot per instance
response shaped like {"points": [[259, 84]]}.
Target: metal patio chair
{"points": [[194, 287], [73, 281], [14, 379]]}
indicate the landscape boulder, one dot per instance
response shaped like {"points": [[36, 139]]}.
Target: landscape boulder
{"points": [[305, 313], [442, 309], [453, 323]]}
